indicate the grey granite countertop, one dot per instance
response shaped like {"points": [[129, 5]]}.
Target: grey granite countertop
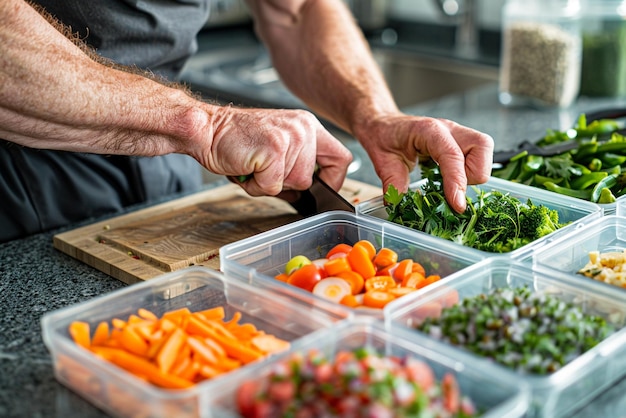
{"points": [[36, 278]]}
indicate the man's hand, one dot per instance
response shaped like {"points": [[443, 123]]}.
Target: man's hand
{"points": [[277, 149], [396, 142]]}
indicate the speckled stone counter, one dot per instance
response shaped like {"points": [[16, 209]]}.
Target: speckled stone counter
{"points": [[36, 278]]}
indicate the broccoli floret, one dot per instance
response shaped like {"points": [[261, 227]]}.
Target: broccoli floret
{"points": [[538, 221], [499, 217]]}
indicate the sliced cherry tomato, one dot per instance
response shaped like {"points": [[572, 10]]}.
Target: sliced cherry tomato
{"points": [[380, 283], [306, 277], [339, 248], [418, 268]]}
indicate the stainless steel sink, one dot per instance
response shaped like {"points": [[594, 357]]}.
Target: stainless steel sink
{"points": [[245, 76]]}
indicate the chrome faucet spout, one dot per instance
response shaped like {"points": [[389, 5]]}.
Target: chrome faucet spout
{"points": [[463, 13]]}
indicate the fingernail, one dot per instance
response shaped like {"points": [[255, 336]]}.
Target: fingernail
{"points": [[459, 198]]}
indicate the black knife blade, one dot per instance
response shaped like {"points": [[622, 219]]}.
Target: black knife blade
{"points": [[318, 198]]}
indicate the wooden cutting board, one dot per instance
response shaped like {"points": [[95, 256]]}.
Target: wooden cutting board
{"points": [[187, 231]]}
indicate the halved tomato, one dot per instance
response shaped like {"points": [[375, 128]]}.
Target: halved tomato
{"points": [[306, 277]]}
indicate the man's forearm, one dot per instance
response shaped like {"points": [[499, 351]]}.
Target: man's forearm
{"points": [[55, 95], [324, 59]]}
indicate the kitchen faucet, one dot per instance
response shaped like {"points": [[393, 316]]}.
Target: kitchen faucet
{"points": [[464, 13]]}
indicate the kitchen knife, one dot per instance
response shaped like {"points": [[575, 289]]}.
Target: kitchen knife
{"points": [[318, 198]]}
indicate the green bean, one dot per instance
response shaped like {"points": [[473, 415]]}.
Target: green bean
{"points": [[580, 194], [588, 180], [607, 182]]}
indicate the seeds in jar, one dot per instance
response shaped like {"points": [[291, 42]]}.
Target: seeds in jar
{"points": [[541, 62]]}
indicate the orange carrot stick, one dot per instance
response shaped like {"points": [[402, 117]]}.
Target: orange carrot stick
{"points": [[79, 331]]}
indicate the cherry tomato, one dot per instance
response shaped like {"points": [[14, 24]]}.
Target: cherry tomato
{"points": [[306, 277]]}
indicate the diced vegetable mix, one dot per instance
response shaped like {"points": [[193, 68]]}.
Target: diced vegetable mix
{"points": [[494, 221], [357, 275], [594, 171], [358, 383], [609, 267], [180, 348], [527, 331]]}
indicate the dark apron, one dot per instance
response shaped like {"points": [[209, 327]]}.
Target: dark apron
{"points": [[42, 189]]}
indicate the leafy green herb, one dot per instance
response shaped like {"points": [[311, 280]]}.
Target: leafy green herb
{"points": [[494, 221]]}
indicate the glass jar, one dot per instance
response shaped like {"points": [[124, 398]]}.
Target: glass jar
{"points": [[604, 48], [541, 53]]}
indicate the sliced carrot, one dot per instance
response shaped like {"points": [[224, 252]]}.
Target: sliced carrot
{"points": [[387, 271], [337, 265], [80, 333], [168, 354], [401, 291], [202, 350], [418, 268], [361, 262], [146, 314], [133, 342], [118, 323], [283, 277], [428, 280], [380, 283], [269, 343], [181, 348], [355, 279], [367, 246], [212, 313], [377, 298], [405, 267], [350, 301], [176, 316], [101, 335], [339, 249], [385, 257], [413, 280]]}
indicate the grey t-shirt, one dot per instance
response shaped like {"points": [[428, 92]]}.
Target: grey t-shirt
{"points": [[44, 189]]}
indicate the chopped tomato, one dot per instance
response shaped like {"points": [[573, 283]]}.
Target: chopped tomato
{"points": [[306, 277], [380, 283]]}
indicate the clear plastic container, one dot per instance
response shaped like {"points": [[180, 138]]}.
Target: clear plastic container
{"points": [[607, 234], [578, 381], [603, 72], [575, 211], [259, 259], [121, 394], [541, 53], [494, 393]]}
